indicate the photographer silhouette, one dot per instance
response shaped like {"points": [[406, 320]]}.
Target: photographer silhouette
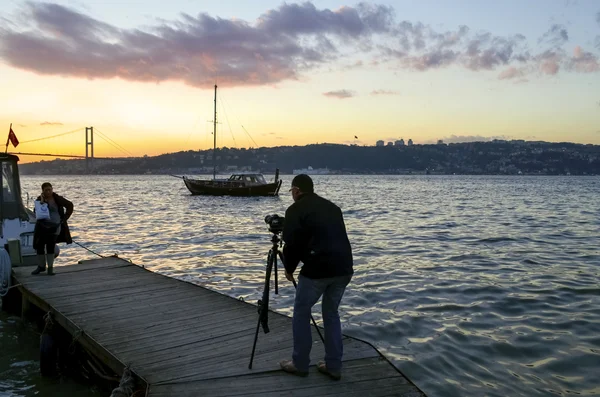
{"points": [[275, 223]]}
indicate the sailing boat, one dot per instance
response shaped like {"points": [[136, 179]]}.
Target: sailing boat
{"points": [[238, 184]]}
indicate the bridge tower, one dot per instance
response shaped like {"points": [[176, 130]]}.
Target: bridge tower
{"points": [[89, 148]]}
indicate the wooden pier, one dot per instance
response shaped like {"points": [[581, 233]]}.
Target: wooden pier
{"points": [[180, 339]]}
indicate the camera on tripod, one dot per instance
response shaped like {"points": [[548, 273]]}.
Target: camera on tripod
{"points": [[275, 223]]}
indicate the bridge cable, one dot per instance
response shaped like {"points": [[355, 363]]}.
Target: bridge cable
{"points": [[115, 144], [50, 137]]}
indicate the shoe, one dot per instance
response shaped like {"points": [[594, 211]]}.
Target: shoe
{"points": [[38, 270], [41, 264], [289, 367], [322, 368]]}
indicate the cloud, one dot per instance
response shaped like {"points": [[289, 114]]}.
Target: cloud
{"points": [[431, 60], [281, 45], [356, 65], [488, 52], [598, 17], [584, 62], [284, 43], [305, 18], [384, 92], [510, 73], [549, 62], [51, 123], [340, 94], [556, 36], [421, 48]]}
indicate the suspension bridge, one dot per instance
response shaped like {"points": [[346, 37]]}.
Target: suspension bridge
{"points": [[89, 157]]}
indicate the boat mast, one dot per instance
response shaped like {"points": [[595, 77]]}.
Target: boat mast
{"points": [[215, 137]]}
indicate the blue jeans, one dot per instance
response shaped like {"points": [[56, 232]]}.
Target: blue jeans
{"points": [[308, 293]]}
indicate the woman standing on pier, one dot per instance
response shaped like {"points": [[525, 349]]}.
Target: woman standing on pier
{"points": [[50, 231]]}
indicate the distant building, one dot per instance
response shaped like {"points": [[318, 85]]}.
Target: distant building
{"points": [[380, 143], [399, 143], [410, 142], [440, 142], [390, 143]]}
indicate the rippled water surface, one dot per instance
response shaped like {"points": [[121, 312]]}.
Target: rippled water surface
{"points": [[478, 286]]}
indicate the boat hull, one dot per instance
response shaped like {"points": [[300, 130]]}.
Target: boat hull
{"points": [[221, 188]]}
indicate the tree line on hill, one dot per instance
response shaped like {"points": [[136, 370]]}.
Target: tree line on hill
{"points": [[495, 157]]}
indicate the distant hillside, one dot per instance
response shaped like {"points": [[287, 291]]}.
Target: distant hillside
{"points": [[496, 157]]}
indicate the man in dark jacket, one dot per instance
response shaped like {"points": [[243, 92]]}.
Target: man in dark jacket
{"points": [[315, 234]]}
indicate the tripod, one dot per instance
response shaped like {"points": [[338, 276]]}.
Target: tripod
{"points": [[263, 304]]}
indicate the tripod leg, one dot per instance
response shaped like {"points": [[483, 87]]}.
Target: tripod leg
{"points": [[255, 340], [275, 267], [263, 305]]}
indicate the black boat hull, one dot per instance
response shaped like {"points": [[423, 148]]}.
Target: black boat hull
{"points": [[227, 188]]}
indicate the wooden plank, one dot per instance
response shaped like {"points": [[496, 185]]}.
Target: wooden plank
{"points": [[372, 376], [122, 277], [128, 321], [228, 362], [138, 281], [132, 351], [51, 286], [208, 330], [200, 347], [123, 293], [87, 289], [121, 297], [104, 263], [75, 293], [81, 276], [173, 323], [270, 362], [172, 298]]}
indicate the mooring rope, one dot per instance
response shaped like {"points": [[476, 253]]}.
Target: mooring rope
{"points": [[73, 344], [49, 323], [126, 385], [86, 248]]}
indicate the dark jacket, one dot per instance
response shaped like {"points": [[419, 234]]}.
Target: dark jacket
{"points": [[314, 233], [64, 235]]}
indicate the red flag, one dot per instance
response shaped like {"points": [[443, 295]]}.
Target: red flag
{"points": [[13, 137]]}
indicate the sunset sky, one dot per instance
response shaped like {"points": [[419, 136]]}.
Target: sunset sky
{"points": [[142, 72]]}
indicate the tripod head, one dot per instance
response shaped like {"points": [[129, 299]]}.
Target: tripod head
{"points": [[276, 240]]}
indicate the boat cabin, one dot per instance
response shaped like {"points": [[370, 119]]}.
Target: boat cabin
{"points": [[18, 222], [248, 179]]}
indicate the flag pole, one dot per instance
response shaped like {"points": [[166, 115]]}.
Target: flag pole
{"points": [[8, 138]]}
